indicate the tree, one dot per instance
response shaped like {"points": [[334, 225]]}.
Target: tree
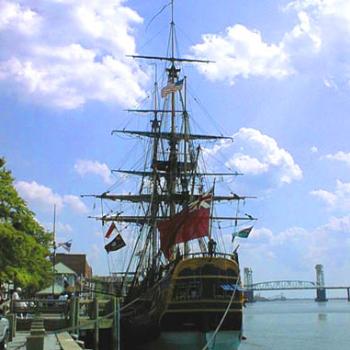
{"points": [[24, 243]]}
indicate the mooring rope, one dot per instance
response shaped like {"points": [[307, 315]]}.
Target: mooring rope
{"points": [[223, 317]]}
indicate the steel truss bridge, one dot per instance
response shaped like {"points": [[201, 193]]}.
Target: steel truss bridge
{"points": [[288, 285]]}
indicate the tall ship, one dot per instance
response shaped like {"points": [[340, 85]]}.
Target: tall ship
{"points": [[180, 289]]}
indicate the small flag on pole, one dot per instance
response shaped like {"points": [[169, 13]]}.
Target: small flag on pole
{"points": [[243, 233], [116, 244], [110, 230], [172, 87], [65, 245]]}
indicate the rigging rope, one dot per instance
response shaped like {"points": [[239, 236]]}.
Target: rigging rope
{"points": [[223, 317]]}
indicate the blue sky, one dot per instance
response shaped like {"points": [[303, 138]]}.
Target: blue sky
{"points": [[280, 87]]}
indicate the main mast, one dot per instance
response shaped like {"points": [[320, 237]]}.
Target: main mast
{"points": [[178, 167], [172, 75]]}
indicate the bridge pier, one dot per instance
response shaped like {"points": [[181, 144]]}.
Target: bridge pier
{"points": [[321, 295], [249, 296], [348, 290], [248, 284], [320, 291]]}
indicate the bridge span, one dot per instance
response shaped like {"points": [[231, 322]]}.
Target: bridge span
{"points": [[318, 285], [283, 285]]}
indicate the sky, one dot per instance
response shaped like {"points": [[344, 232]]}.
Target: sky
{"points": [[280, 86]]}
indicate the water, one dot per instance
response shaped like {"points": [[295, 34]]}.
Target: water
{"points": [[297, 325]]}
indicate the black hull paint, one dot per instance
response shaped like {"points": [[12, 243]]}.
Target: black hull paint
{"points": [[173, 305]]}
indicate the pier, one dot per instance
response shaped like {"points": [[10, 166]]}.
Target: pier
{"points": [[68, 325]]}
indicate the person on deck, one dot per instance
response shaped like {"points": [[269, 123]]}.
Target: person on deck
{"points": [[211, 247]]}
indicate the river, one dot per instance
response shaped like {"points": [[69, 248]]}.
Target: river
{"points": [[297, 325]]}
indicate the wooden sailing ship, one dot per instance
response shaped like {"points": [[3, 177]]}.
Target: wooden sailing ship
{"points": [[177, 298]]}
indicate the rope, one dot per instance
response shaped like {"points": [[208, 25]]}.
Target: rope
{"points": [[222, 319]]}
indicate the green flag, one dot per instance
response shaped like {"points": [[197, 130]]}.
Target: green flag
{"points": [[244, 233]]}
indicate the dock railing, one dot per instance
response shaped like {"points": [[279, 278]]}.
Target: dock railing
{"points": [[72, 316]]}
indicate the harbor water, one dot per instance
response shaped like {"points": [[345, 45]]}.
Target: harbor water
{"points": [[297, 325]]}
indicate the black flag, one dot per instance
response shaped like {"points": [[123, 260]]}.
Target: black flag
{"points": [[116, 244]]}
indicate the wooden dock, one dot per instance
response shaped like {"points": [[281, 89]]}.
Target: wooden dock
{"points": [[55, 324]]}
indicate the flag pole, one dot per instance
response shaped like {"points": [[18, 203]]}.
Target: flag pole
{"points": [[54, 249], [211, 210]]}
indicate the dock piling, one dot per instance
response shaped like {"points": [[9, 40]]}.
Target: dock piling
{"points": [[116, 323], [97, 331]]}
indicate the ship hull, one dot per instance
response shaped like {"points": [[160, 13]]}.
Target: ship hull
{"points": [[183, 310], [223, 340]]}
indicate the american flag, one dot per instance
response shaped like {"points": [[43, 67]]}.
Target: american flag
{"points": [[172, 87]]}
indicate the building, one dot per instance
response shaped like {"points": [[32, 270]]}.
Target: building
{"points": [[63, 274], [77, 262]]}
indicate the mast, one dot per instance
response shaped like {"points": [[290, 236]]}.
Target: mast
{"points": [[173, 170], [172, 75], [154, 203]]}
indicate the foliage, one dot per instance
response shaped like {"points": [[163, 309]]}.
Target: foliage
{"points": [[24, 244]]}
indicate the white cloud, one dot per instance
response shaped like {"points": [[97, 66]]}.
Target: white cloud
{"points": [[328, 197], [318, 45], [41, 195], [337, 200], [241, 52], [247, 164], [259, 154], [297, 249], [67, 53], [75, 203], [340, 156], [63, 230], [15, 17], [314, 149], [328, 29], [44, 198], [84, 167]]}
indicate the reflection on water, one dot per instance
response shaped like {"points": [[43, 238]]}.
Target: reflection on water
{"points": [[322, 317], [297, 325]]}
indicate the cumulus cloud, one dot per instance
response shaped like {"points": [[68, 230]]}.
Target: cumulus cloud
{"points": [[44, 198], [62, 229], [337, 200], [17, 18], [318, 45], [241, 52], [296, 249], [65, 53], [258, 154], [75, 203], [328, 29], [314, 149], [340, 156], [84, 167]]}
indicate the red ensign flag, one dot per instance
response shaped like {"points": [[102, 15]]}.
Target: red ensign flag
{"points": [[190, 223]]}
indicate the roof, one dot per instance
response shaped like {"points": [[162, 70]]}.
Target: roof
{"points": [[76, 262], [62, 269], [58, 290]]}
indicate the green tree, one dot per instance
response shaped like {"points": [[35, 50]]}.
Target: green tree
{"points": [[24, 244]]}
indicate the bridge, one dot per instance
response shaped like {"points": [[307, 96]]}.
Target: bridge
{"points": [[318, 285], [283, 285]]}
